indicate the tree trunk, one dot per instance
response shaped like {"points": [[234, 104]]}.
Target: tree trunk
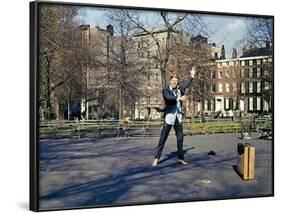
{"points": [[120, 103]]}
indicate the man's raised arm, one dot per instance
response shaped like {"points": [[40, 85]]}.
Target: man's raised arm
{"points": [[186, 83]]}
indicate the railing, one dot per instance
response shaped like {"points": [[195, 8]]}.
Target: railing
{"points": [[121, 128], [114, 128]]}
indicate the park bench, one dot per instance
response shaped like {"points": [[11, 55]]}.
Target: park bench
{"points": [[266, 132]]}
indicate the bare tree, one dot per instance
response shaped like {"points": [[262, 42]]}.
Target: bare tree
{"points": [[198, 54], [122, 71], [260, 37], [170, 21], [58, 55], [259, 32]]}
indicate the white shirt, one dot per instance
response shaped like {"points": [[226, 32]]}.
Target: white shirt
{"points": [[170, 117]]}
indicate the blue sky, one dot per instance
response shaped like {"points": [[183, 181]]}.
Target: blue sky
{"points": [[226, 30]]}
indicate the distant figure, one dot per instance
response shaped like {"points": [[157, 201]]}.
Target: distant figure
{"points": [[76, 115], [76, 112], [173, 96]]}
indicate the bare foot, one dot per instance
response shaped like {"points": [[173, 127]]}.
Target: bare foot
{"points": [[155, 162], [182, 161]]}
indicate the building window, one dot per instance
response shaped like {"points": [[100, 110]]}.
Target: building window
{"points": [[227, 87], [265, 72], [258, 62], [258, 72], [243, 89], [251, 103], [258, 87], [266, 85], [270, 60], [220, 87], [242, 63], [264, 60], [205, 105], [213, 88], [251, 90], [234, 104], [213, 75], [258, 103], [242, 73], [220, 74], [234, 87], [250, 62], [227, 103], [210, 104], [251, 73], [227, 73]]}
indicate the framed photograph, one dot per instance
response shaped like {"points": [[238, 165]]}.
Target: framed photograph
{"points": [[107, 85]]}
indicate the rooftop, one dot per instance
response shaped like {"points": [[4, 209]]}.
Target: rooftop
{"points": [[257, 52]]}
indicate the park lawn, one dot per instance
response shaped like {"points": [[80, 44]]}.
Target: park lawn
{"points": [[211, 127], [189, 126]]}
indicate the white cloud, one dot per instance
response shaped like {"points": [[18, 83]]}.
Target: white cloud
{"points": [[236, 25]]}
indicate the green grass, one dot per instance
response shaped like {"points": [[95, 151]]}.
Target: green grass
{"points": [[194, 126], [211, 127]]}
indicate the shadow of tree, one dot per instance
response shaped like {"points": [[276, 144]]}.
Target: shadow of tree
{"points": [[106, 172], [108, 190]]}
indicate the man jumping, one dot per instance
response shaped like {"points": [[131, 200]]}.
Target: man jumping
{"points": [[173, 96]]}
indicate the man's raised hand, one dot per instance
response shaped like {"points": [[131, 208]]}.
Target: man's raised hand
{"points": [[193, 71]]}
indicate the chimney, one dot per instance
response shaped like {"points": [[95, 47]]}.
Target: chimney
{"points": [[243, 50], [234, 53], [216, 56], [222, 52], [109, 29], [267, 45]]}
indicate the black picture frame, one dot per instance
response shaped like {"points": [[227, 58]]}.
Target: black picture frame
{"points": [[35, 114]]}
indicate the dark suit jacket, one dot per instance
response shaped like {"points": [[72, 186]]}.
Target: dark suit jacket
{"points": [[170, 98]]}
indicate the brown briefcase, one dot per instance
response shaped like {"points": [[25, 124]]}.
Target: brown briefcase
{"points": [[246, 161]]}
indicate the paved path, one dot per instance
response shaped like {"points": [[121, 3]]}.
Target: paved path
{"points": [[108, 171]]}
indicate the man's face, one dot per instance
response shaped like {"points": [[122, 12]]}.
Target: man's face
{"points": [[174, 82]]}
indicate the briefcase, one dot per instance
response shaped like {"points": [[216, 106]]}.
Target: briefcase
{"points": [[246, 161]]}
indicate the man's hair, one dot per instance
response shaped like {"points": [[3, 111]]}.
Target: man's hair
{"points": [[174, 76]]}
